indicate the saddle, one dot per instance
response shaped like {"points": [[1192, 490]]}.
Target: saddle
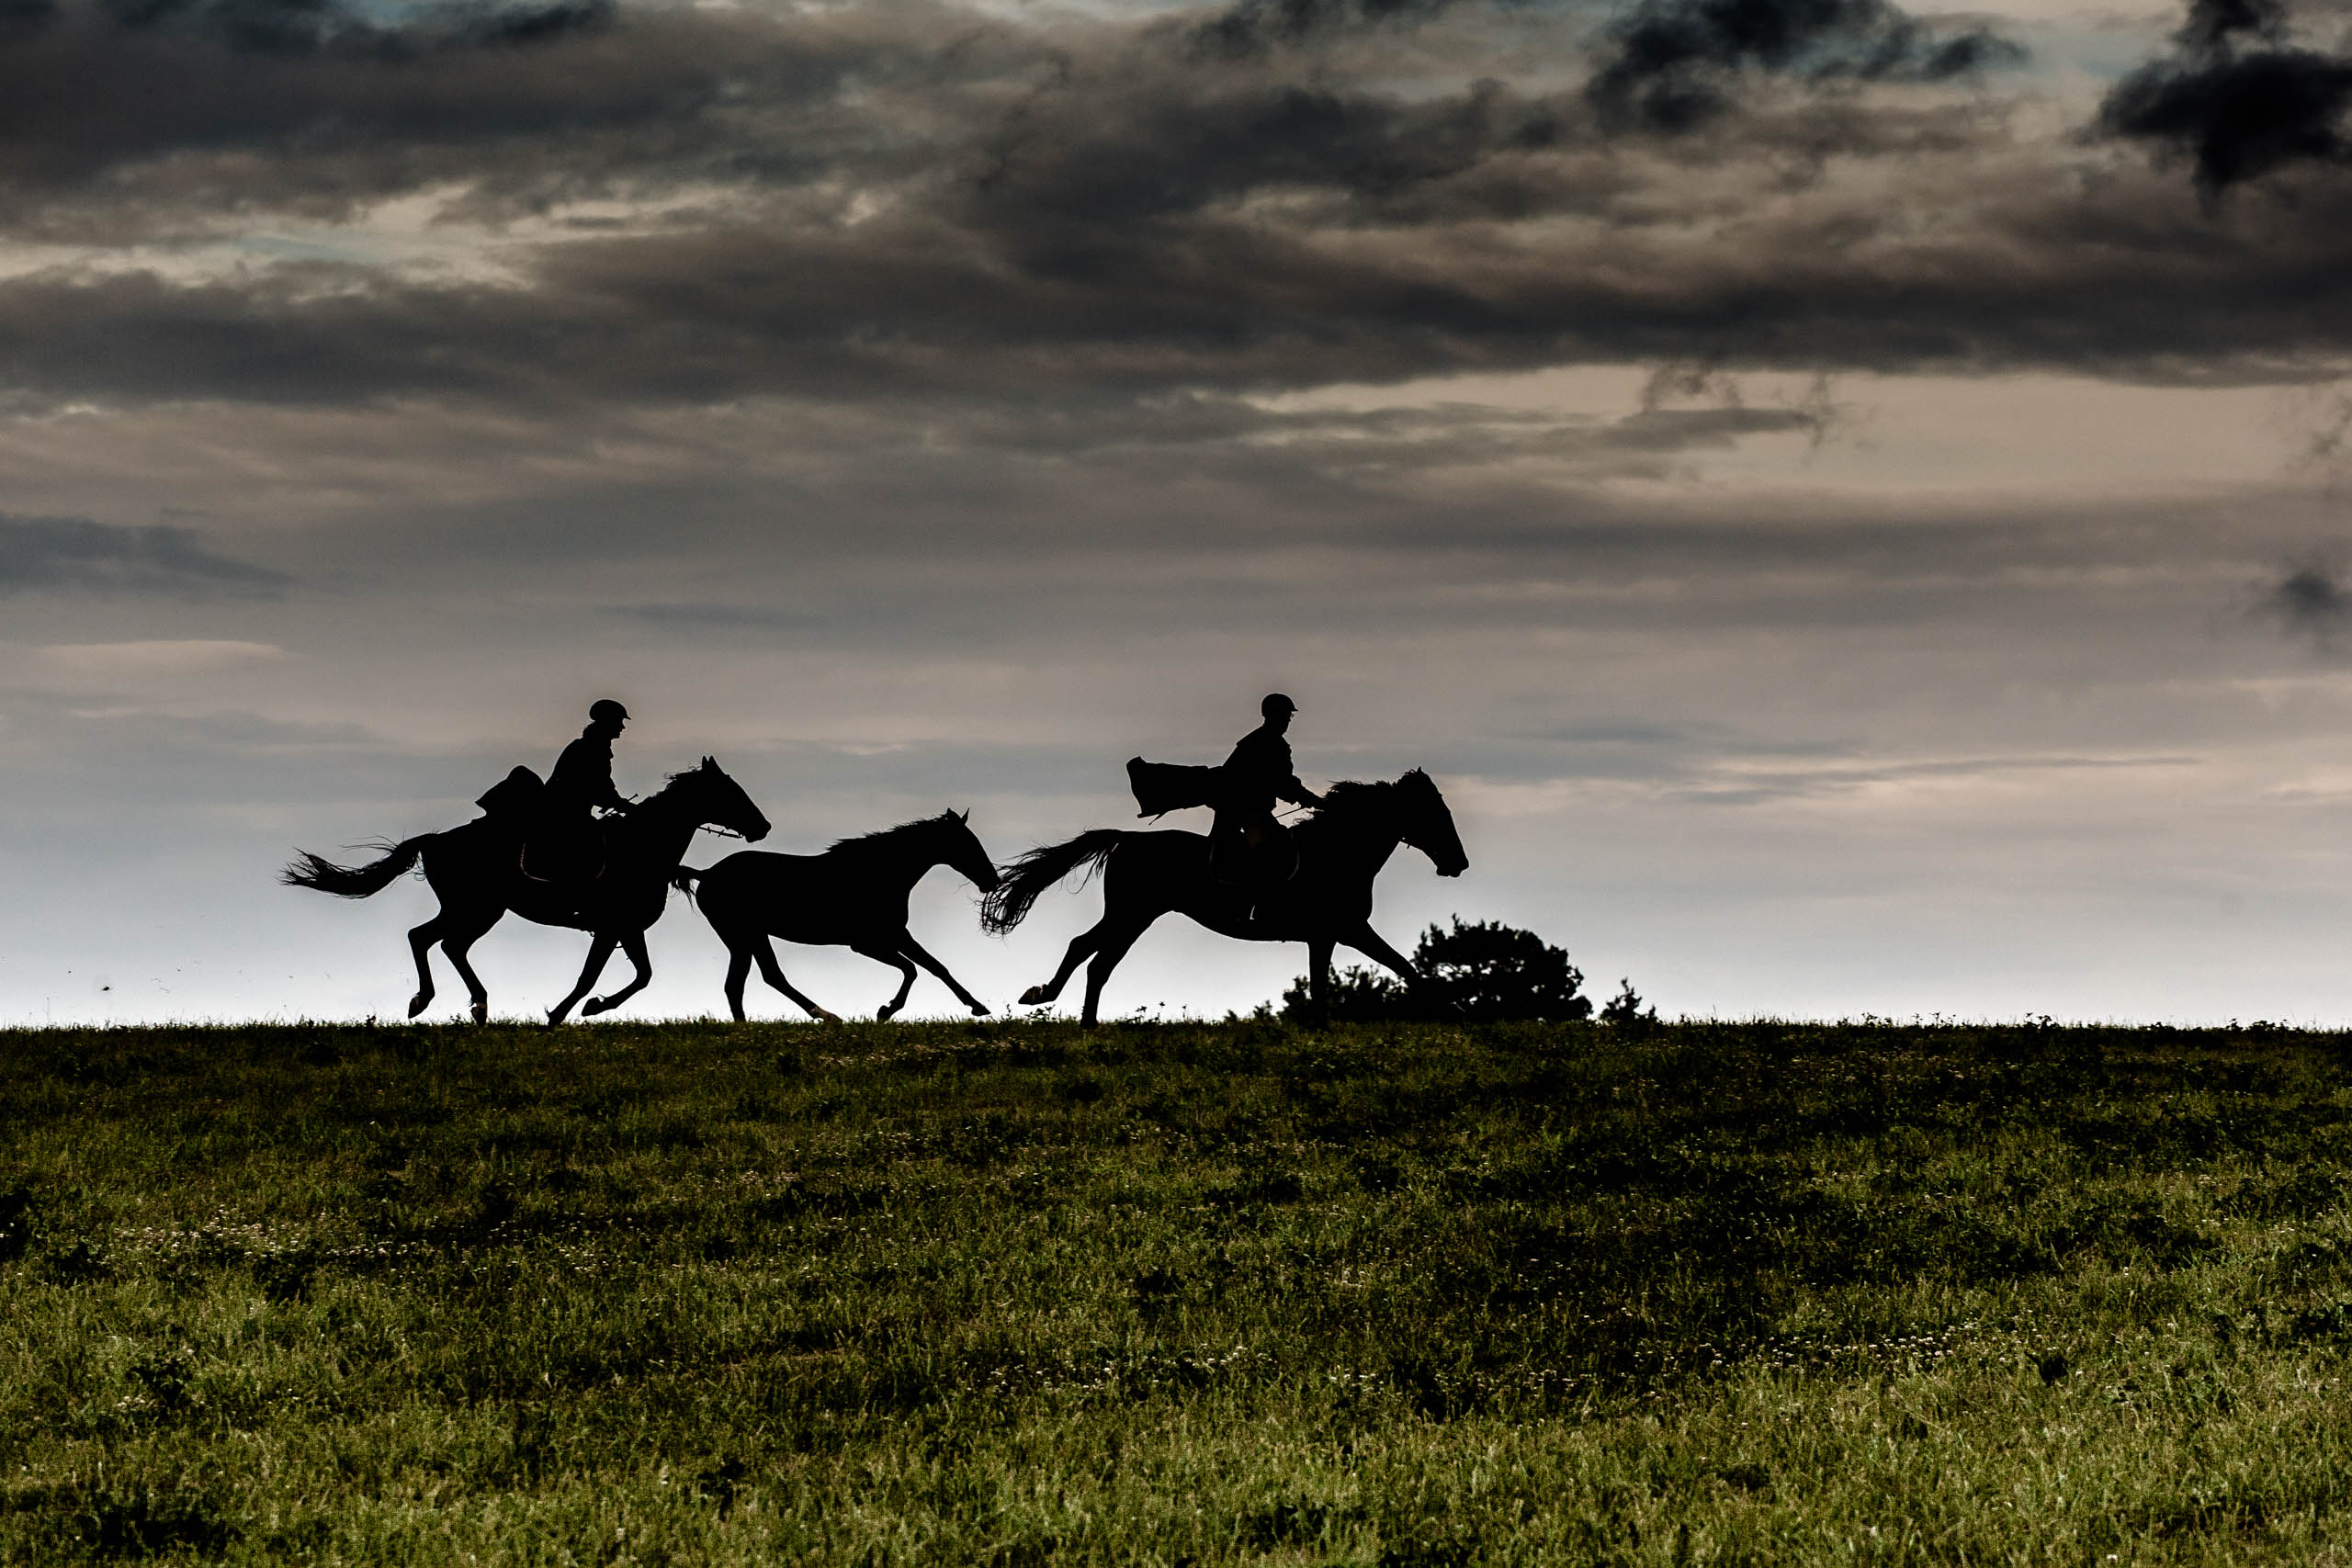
{"points": [[555, 848]]}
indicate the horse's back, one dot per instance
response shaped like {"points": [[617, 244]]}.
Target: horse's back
{"points": [[754, 887]]}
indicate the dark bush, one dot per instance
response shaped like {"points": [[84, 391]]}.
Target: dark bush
{"points": [[1484, 971]]}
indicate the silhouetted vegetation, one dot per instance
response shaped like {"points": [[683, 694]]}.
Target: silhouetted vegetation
{"points": [[1019, 1294], [1484, 972]]}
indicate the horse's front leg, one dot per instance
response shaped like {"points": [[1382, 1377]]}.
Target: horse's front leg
{"points": [[1366, 941], [1081, 947], [600, 952], [915, 950], [1318, 975], [634, 945], [881, 955]]}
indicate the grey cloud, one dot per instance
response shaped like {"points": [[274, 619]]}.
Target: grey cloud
{"points": [[2308, 601], [915, 206], [1673, 63], [1251, 28], [2237, 115], [52, 553]]}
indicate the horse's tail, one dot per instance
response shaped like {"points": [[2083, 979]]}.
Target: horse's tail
{"points": [[1040, 869], [684, 880], [307, 870]]}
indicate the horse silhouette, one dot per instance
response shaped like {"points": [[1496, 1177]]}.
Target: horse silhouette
{"points": [[1147, 874], [852, 896], [477, 870]]}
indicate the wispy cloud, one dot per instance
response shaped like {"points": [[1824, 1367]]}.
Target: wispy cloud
{"points": [[77, 554]]}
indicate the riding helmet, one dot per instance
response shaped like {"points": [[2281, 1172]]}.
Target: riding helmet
{"points": [[1276, 703], [606, 711]]}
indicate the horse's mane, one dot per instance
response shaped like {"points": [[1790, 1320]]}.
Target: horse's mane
{"points": [[1353, 798], [887, 837]]}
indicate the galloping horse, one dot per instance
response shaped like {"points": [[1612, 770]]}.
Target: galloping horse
{"points": [[477, 870], [1144, 876], [852, 896]]}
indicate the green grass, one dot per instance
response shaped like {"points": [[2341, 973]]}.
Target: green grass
{"points": [[1019, 1294]]}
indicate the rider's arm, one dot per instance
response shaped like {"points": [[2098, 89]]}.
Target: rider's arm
{"points": [[1298, 794]]}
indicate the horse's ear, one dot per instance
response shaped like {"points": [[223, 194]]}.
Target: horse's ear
{"points": [[711, 763], [965, 815]]}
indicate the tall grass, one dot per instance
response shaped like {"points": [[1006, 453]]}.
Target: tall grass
{"points": [[1019, 1294]]}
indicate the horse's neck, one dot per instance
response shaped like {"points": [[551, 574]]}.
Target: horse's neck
{"points": [[664, 828], [1362, 842], [902, 864]]}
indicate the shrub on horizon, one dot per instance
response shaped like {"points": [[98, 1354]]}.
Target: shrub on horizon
{"points": [[1482, 971]]}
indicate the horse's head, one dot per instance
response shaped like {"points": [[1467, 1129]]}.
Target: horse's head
{"points": [[720, 802], [960, 848], [1428, 824]]}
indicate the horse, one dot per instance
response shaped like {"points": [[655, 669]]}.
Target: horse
{"points": [[1341, 847], [477, 870], [852, 896]]}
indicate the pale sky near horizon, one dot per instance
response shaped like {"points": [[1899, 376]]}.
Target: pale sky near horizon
{"points": [[1848, 500]]}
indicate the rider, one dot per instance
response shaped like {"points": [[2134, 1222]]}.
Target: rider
{"points": [[1258, 774], [578, 786]]}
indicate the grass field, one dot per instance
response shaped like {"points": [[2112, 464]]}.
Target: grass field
{"points": [[1020, 1294]]}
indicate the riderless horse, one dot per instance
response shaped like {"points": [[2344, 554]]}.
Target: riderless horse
{"points": [[1341, 847], [852, 896], [477, 871]]}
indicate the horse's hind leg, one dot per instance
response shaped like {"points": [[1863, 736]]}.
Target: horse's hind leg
{"points": [[773, 973], [600, 952], [914, 949], [634, 945], [738, 969], [457, 944], [897, 960], [1081, 947], [419, 942], [1106, 958]]}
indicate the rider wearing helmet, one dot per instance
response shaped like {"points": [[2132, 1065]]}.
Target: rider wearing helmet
{"points": [[583, 779], [566, 846], [1254, 777]]}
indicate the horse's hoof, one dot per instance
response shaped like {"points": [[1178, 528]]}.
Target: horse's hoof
{"points": [[418, 1003], [554, 1020], [980, 1010], [593, 1005], [482, 1013], [1035, 996], [825, 1015], [882, 1014]]}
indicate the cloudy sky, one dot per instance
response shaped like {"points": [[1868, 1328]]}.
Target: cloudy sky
{"points": [[1850, 502]]}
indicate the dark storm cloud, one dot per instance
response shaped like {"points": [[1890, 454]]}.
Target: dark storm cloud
{"points": [[323, 27], [1674, 63], [49, 553], [1251, 28], [915, 207], [2237, 114]]}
